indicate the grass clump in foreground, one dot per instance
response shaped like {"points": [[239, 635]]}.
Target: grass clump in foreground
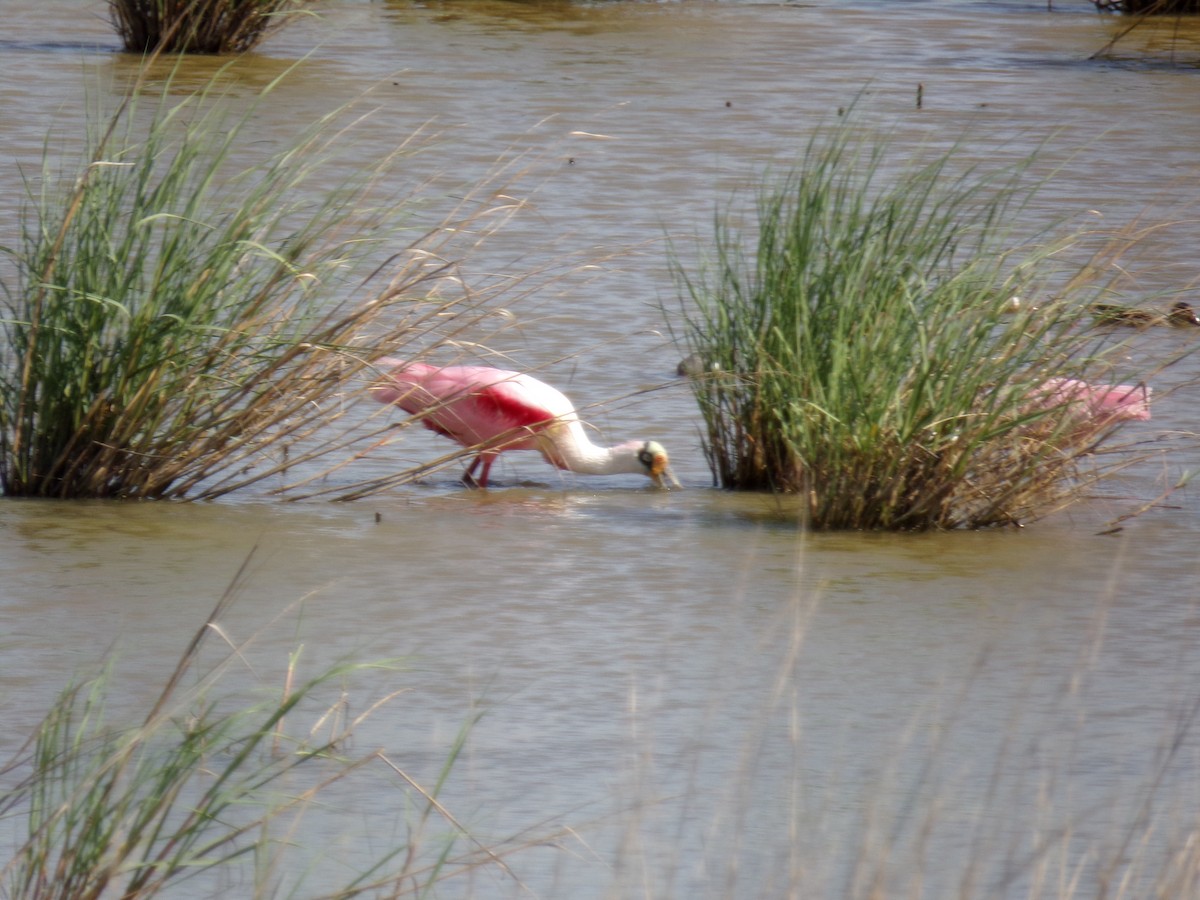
{"points": [[199, 792], [189, 313], [198, 26], [862, 351]]}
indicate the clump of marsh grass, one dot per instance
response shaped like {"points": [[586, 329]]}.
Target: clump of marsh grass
{"points": [[198, 26], [185, 321], [208, 787], [862, 348]]}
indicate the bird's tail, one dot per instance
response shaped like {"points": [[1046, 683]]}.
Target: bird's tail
{"points": [[397, 381], [387, 363]]}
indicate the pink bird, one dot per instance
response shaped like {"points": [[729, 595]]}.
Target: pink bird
{"points": [[1096, 405], [494, 410]]}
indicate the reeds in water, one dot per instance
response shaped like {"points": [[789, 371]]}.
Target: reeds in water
{"points": [[863, 350], [187, 318], [198, 26]]}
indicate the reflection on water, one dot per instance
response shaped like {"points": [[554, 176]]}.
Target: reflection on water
{"points": [[737, 706]]}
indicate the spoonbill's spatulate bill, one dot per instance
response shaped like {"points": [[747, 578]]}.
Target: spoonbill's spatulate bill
{"points": [[496, 410]]}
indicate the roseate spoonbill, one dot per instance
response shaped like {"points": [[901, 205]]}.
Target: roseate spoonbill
{"points": [[495, 410], [1097, 405]]}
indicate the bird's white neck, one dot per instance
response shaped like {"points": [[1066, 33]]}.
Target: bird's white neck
{"points": [[569, 447]]}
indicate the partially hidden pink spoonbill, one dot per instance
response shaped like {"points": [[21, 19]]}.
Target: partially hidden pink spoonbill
{"points": [[1096, 405], [494, 410]]}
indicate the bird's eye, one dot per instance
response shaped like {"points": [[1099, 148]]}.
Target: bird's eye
{"points": [[645, 457]]}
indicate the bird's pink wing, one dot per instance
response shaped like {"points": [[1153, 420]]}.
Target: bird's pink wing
{"points": [[475, 404], [501, 413], [1122, 401], [1104, 402]]}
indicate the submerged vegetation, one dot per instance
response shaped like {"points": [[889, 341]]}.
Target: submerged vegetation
{"points": [[187, 317], [198, 26], [864, 348]]}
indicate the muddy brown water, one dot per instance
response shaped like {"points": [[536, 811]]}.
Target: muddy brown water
{"points": [[718, 703]]}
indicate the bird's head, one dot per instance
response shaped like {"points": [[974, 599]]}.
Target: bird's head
{"points": [[654, 461]]}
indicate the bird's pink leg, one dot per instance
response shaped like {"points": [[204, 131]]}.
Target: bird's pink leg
{"points": [[488, 459], [469, 478]]}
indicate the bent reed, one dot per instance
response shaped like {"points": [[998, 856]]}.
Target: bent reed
{"points": [[863, 346]]}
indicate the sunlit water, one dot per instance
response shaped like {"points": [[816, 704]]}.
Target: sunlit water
{"points": [[716, 702]]}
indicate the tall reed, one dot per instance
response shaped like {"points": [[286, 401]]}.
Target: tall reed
{"points": [[862, 347], [187, 315]]}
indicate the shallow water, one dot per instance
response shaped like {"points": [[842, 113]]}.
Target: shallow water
{"points": [[718, 703]]}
